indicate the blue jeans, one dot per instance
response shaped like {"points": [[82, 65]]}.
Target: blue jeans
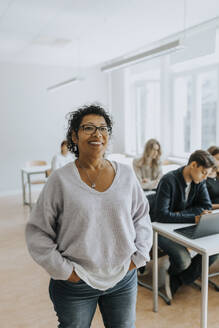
{"points": [[75, 303], [187, 269]]}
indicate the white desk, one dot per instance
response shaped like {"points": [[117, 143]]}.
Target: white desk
{"points": [[205, 246], [28, 171]]}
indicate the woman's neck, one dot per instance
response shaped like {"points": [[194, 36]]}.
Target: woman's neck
{"points": [[90, 163]]}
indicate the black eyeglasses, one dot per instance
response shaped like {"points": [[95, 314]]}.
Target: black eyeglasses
{"points": [[91, 129]]}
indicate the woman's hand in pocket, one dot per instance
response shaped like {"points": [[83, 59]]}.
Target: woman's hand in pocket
{"points": [[132, 266], [74, 277]]}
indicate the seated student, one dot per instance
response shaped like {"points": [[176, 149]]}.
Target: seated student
{"points": [[148, 167], [62, 158], [182, 197], [212, 181]]}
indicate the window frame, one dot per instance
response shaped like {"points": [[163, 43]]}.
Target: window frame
{"points": [[136, 147], [196, 120]]}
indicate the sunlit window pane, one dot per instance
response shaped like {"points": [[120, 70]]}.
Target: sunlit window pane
{"points": [[208, 83], [187, 118], [147, 112], [182, 114]]}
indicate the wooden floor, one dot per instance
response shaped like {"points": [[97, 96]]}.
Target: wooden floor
{"points": [[24, 300]]}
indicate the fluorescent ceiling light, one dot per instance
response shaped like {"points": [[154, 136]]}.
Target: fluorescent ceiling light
{"points": [[122, 62], [64, 83]]}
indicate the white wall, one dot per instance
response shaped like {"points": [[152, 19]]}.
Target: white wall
{"points": [[32, 120]]}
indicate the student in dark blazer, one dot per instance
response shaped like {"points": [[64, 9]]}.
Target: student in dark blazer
{"points": [[212, 181], [182, 197]]}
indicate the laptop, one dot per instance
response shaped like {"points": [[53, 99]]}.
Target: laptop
{"points": [[208, 225]]}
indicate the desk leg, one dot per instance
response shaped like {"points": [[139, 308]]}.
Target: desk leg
{"points": [[29, 188], [204, 307], [155, 271], [23, 187]]}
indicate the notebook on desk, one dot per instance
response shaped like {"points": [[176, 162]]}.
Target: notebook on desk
{"points": [[208, 225]]}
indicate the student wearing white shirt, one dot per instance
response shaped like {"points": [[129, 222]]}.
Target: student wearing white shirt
{"points": [[63, 158]]}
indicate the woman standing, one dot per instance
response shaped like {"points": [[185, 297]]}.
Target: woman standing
{"points": [[90, 229], [148, 167]]}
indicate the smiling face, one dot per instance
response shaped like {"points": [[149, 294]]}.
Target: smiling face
{"points": [[199, 173], [94, 144]]}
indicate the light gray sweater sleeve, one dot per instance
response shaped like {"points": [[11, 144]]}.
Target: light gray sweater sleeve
{"points": [[41, 231], [143, 227]]}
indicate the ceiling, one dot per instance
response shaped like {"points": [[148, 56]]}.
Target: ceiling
{"points": [[89, 32]]}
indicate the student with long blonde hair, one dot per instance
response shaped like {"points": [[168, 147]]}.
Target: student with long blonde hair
{"points": [[148, 167]]}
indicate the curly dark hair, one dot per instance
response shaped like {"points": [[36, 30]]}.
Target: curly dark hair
{"points": [[74, 121]]}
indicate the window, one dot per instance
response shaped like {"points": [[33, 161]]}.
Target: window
{"points": [[182, 108], [195, 106], [147, 112], [175, 98], [208, 93], [142, 106]]}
